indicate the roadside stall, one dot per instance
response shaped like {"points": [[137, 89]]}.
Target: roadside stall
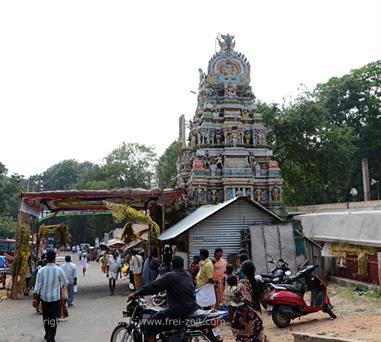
{"points": [[36, 205]]}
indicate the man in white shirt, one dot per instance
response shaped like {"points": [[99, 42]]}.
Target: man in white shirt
{"points": [[70, 270], [49, 281], [112, 271], [136, 266]]}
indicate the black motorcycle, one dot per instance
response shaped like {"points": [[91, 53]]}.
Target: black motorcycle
{"points": [[277, 275], [200, 325]]}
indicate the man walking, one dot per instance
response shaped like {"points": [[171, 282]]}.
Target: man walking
{"points": [[50, 279], [70, 270], [113, 267]]}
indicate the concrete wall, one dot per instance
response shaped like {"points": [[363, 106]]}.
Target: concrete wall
{"points": [[334, 206]]}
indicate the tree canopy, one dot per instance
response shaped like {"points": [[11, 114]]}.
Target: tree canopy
{"points": [[320, 137], [166, 166]]}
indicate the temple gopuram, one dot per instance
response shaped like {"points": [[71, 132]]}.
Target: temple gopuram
{"points": [[226, 153]]}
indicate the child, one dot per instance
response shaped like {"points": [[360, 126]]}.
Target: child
{"points": [[232, 299], [195, 267]]}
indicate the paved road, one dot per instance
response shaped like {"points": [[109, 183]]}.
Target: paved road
{"points": [[95, 314], [92, 317]]}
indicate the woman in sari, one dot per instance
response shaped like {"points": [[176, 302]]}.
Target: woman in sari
{"points": [[247, 325], [219, 276]]}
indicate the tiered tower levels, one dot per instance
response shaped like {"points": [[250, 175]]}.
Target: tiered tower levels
{"points": [[226, 154]]}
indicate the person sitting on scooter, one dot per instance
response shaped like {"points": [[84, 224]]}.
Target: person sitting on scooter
{"points": [[181, 299]]}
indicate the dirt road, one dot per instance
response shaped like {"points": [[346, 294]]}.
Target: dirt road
{"points": [[95, 314]]}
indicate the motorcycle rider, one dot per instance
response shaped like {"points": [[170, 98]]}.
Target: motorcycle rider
{"points": [[181, 299]]}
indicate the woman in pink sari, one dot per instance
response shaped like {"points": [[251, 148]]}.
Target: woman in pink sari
{"points": [[219, 276]]}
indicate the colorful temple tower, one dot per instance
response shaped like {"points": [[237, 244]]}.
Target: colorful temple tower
{"points": [[226, 154]]}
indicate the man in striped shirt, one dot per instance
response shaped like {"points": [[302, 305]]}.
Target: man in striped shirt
{"points": [[49, 281]]}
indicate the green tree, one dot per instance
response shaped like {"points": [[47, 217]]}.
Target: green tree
{"points": [[355, 100], [61, 176], [10, 188], [8, 227], [315, 156], [166, 166], [131, 165]]}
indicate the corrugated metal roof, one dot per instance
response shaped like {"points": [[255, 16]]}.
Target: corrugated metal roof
{"points": [[201, 214]]}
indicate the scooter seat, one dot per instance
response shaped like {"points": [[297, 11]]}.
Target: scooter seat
{"points": [[288, 287], [199, 313]]}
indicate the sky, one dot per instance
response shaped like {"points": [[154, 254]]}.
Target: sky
{"points": [[78, 78]]}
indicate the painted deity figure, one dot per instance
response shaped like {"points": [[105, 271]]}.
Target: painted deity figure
{"points": [[219, 162], [247, 139], [230, 91], [184, 199], [275, 194], [199, 195], [213, 169], [257, 194], [219, 138], [208, 141], [258, 138], [245, 114], [230, 193], [214, 196], [264, 196], [229, 69], [251, 160], [257, 170], [235, 137], [202, 78], [254, 135], [193, 141]]}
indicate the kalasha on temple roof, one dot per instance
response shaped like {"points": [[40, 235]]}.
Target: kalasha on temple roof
{"points": [[226, 154]]}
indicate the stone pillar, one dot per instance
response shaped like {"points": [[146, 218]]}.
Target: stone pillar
{"points": [[365, 179]]}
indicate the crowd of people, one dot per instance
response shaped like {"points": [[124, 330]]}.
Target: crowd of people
{"points": [[140, 271], [210, 283]]}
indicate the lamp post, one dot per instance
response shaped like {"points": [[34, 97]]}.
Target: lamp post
{"points": [[353, 193], [377, 183]]}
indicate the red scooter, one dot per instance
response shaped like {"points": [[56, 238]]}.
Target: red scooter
{"points": [[286, 300]]}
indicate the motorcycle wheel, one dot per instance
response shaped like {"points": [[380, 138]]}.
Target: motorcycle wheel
{"points": [[330, 310], [122, 333], [280, 319]]}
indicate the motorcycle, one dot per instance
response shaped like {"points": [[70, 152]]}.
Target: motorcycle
{"points": [[286, 300], [277, 275], [200, 325]]}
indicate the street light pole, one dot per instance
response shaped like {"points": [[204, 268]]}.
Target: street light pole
{"points": [[377, 183]]}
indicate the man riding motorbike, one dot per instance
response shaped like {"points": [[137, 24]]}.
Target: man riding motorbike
{"points": [[181, 299]]}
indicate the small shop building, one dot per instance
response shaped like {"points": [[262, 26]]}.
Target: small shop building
{"points": [[350, 238], [239, 223]]}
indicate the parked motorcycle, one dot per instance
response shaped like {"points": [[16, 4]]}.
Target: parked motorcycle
{"points": [[200, 325], [277, 275], [286, 300]]}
